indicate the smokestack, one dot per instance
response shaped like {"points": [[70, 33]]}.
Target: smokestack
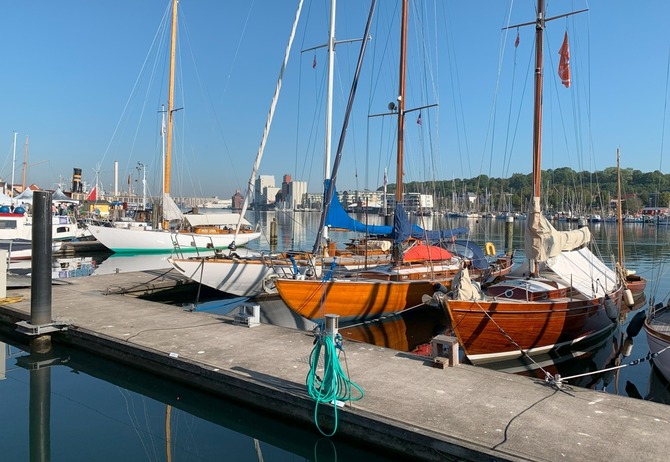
{"points": [[76, 181]]}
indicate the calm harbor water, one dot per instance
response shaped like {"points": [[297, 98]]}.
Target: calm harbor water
{"points": [[99, 410]]}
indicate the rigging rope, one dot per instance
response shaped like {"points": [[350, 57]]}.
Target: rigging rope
{"points": [[334, 387]]}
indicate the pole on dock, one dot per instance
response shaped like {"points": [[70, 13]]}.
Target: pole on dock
{"points": [[40, 284], [332, 325], [509, 236], [40, 324], [273, 232], [3, 273]]}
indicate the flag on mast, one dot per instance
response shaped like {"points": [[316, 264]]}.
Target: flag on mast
{"points": [[564, 63]]}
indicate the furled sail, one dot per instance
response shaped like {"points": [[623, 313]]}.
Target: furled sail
{"points": [[170, 209], [543, 241]]}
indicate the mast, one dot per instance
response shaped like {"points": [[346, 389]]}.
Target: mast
{"points": [[401, 102], [170, 112], [170, 108], [268, 124], [329, 98], [25, 165], [537, 115], [13, 165], [619, 218]]}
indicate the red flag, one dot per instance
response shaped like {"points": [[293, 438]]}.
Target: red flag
{"points": [[314, 63], [516, 42], [418, 119], [93, 195], [564, 63]]}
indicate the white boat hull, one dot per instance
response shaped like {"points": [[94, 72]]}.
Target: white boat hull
{"points": [[242, 278], [157, 241], [657, 327]]}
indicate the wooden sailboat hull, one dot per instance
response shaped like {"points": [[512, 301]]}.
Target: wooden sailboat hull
{"points": [[372, 295], [498, 329], [353, 299]]}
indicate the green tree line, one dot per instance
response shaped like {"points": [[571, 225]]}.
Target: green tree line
{"points": [[562, 189]]}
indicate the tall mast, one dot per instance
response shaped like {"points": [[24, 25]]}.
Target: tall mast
{"points": [[13, 165], [401, 102], [537, 118], [25, 165], [170, 108], [619, 218], [329, 98]]}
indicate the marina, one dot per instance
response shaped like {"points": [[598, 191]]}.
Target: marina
{"points": [[462, 412], [527, 318], [466, 412]]}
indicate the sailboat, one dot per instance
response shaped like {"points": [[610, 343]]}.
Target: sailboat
{"points": [[633, 283], [657, 328], [416, 268], [562, 295], [255, 274], [178, 232]]}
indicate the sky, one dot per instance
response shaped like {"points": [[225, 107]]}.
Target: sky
{"points": [[83, 84]]}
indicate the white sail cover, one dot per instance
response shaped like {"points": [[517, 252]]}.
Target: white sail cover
{"points": [[543, 241], [216, 219], [584, 271], [170, 209]]}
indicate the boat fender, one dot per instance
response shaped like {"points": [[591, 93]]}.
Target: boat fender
{"points": [[628, 296], [440, 288], [635, 324], [627, 347], [490, 248], [611, 309]]}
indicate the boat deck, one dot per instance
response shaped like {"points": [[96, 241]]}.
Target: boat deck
{"points": [[661, 321], [410, 409]]}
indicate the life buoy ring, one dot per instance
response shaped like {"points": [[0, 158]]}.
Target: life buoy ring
{"points": [[490, 248]]}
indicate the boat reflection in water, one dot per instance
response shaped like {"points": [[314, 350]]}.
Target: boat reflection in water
{"points": [[410, 331], [593, 365]]}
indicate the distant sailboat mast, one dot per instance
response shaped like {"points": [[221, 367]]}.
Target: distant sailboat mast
{"points": [[25, 165], [13, 165]]}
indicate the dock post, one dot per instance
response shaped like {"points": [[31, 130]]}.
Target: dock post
{"points": [[332, 325], [40, 265], [40, 324], [3, 273], [509, 236], [273, 232]]}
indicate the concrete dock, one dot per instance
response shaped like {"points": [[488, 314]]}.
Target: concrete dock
{"points": [[410, 409]]}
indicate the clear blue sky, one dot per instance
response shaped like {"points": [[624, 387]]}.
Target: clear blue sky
{"points": [[84, 81]]}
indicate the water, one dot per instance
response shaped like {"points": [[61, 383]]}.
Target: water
{"points": [[99, 410]]}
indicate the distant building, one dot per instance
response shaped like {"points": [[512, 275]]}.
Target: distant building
{"points": [[237, 200], [264, 191], [297, 194]]}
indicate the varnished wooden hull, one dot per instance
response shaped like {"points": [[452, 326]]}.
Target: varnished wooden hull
{"points": [[495, 330], [352, 300], [366, 298]]}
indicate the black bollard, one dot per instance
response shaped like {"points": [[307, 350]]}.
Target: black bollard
{"points": [[40, 284]]}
